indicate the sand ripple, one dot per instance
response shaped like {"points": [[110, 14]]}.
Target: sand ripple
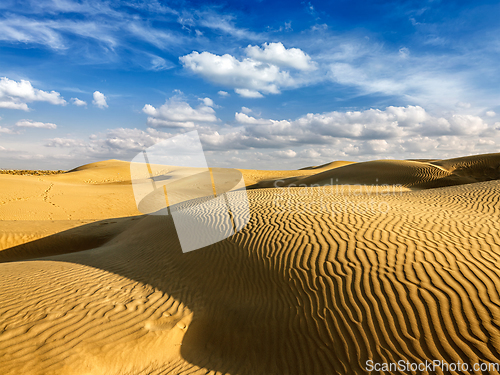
{"points": [[316, 283], [299, 290]]}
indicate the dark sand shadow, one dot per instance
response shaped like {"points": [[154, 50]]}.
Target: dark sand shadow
{"points": [[245, 309]]}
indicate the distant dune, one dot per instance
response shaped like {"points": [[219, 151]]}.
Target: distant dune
{"points": [[418, 174], [320, 281]]}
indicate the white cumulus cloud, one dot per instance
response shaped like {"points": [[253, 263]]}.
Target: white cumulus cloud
{"points": [[284, 154], [64, 142], [261, 72], [176, 113], [207, 102], [243, 118], [6, 130], [246, 93], [78, 102], [118, 142], [35, 124], [247, 75], [466, 124], [16, 95], [99, 100], [379, 131], [277, 54]]}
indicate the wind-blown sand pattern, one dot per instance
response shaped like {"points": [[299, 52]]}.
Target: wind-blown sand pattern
{"points": [[318, 282]]}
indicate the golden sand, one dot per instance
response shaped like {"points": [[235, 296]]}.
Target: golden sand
{"points": [[320, 280]]}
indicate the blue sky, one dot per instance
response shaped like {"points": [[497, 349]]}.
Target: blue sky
{"points": [[267, 84]]}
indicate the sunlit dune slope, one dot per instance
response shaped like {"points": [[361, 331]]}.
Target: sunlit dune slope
{"points": [[34, 206], [410, 174], [333, 164]]}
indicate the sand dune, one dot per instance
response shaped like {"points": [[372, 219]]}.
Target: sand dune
{"points": [[333, 164], [35, 206], [318, 282], [409, 173], [96, 191]]}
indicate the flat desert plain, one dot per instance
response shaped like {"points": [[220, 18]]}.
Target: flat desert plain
{"points": [[340, 267]]}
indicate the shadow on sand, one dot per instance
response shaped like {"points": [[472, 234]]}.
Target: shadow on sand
{"points": [[248, 312]]}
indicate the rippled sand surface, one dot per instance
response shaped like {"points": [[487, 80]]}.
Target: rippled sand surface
{"points": [[319, 281]]}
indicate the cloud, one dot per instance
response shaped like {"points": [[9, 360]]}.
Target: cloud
{"points": [[78, 102], [158, 64], [368, 81], [99, 100], [98, 27], [35, 124], [159, 38], [16, 95], [466, 125], [310, 153], [289, 154], [121, 143], [25, 30], [463, 105], [153, 6], [247, 76], [246, 93], [105, 31], [123, 140], [375, 128], [311, 139], [243, 118], [364, 66], [6, 131], [224, 94], [246, 110], [221, 22], [112, 31], [491, 114], [404, 52], [64, 142], [259, 73], [57, 34], [277, 54], [207, 102], [176, 113], [416, 80]]}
